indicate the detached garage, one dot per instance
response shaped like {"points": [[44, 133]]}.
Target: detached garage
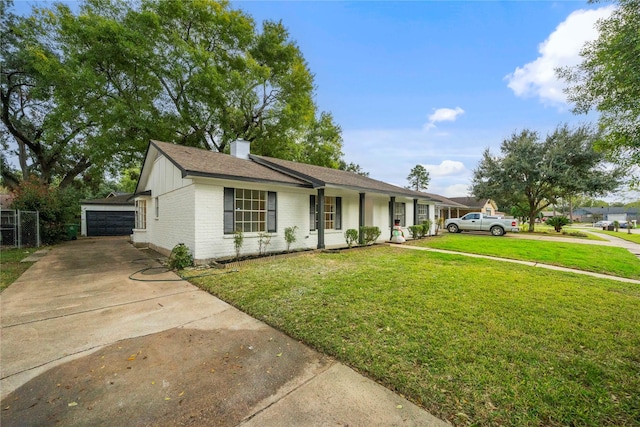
{"points": [[112, 216]]}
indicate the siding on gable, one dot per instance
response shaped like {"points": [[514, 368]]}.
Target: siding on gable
{"points": [[165, 177]]}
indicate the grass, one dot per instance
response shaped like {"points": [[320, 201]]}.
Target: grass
{"points": [[566, 232], [10, 266], [600, 259], [622, 234], [473, 341]]}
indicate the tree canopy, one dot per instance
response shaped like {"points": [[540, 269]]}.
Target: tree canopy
{"points": [[418, 178], [532, 174], [608, 80], [87, 90]]}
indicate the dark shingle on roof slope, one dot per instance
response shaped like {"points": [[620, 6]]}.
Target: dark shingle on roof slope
{"points": [[445, 201], [196, 161], [322, 176], [122, 199], [470, 202]]}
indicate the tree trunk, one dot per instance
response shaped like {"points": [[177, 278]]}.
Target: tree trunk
{"points": [[22, 155], [570, 209], [532, 221]]}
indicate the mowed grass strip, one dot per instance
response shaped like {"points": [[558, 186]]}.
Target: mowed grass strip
{"points": [[10, 266], [473, 341], [597, 258], [543, 229], [622, 234]]}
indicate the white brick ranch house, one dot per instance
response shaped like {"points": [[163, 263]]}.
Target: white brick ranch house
{"points": [[199, 198]]}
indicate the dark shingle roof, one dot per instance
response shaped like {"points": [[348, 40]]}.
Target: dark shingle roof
{"points": [[470, 202], [198, 162], [121, 199], [321, 176], [445, 201]]}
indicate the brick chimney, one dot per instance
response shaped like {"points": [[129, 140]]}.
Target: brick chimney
{"points": [[240, 149]]}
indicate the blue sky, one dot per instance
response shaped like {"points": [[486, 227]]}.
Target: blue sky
{"points": [[429, 82], [435, 82]]}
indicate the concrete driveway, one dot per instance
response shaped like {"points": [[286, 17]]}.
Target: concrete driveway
{"points": [[83, 344]]}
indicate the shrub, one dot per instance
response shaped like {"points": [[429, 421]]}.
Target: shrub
{"points": [[574, 234], [290, 235], [56, 207], [238, 240], [416, 231], [426, 228], [557, 222], [370, 234], [264, 239], [616, 225], [351, 236], [180, 257]]}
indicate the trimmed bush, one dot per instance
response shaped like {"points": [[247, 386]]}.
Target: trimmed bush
{"points": [[426, 228], [370, 234], [351, 236], [416, 231]]}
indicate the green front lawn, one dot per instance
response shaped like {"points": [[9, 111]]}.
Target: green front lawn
{"points": [[10, 266], [473, 341], [547, 230], [599, 259], [622, 234]]}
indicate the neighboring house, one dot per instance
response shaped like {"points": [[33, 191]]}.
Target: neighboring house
{"points": [[445, 207], [112, 216], [199, 198], [486, 206], [548, 214], [590, 214]]}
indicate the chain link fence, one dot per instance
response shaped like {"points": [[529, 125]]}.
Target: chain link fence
{"points": [[19, 229]]}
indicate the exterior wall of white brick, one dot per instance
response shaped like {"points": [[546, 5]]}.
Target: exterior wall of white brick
{"points": [[377, 214], [211, 242], [432, 212], [191, 211], [175, 222]]}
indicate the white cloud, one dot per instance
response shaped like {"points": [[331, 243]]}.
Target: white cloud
{"points": [[446, 168], [560, 49], [443, 115], [457, 190]]}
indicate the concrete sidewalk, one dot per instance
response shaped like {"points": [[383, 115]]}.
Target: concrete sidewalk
{"points": [[632, 247], [83, 344]]}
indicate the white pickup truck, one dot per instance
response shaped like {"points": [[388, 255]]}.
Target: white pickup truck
{"points": [[476, 221]]}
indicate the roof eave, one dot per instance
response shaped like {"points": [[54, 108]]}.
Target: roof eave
{"points": [[198, 174], [315, 183]]}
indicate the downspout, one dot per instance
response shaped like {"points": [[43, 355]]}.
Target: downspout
{"points": [[320, 218], [361, 219]]}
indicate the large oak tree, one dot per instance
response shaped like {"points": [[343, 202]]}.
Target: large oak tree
{"points": [[532, 173], [87, 90], [608, 80]]}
